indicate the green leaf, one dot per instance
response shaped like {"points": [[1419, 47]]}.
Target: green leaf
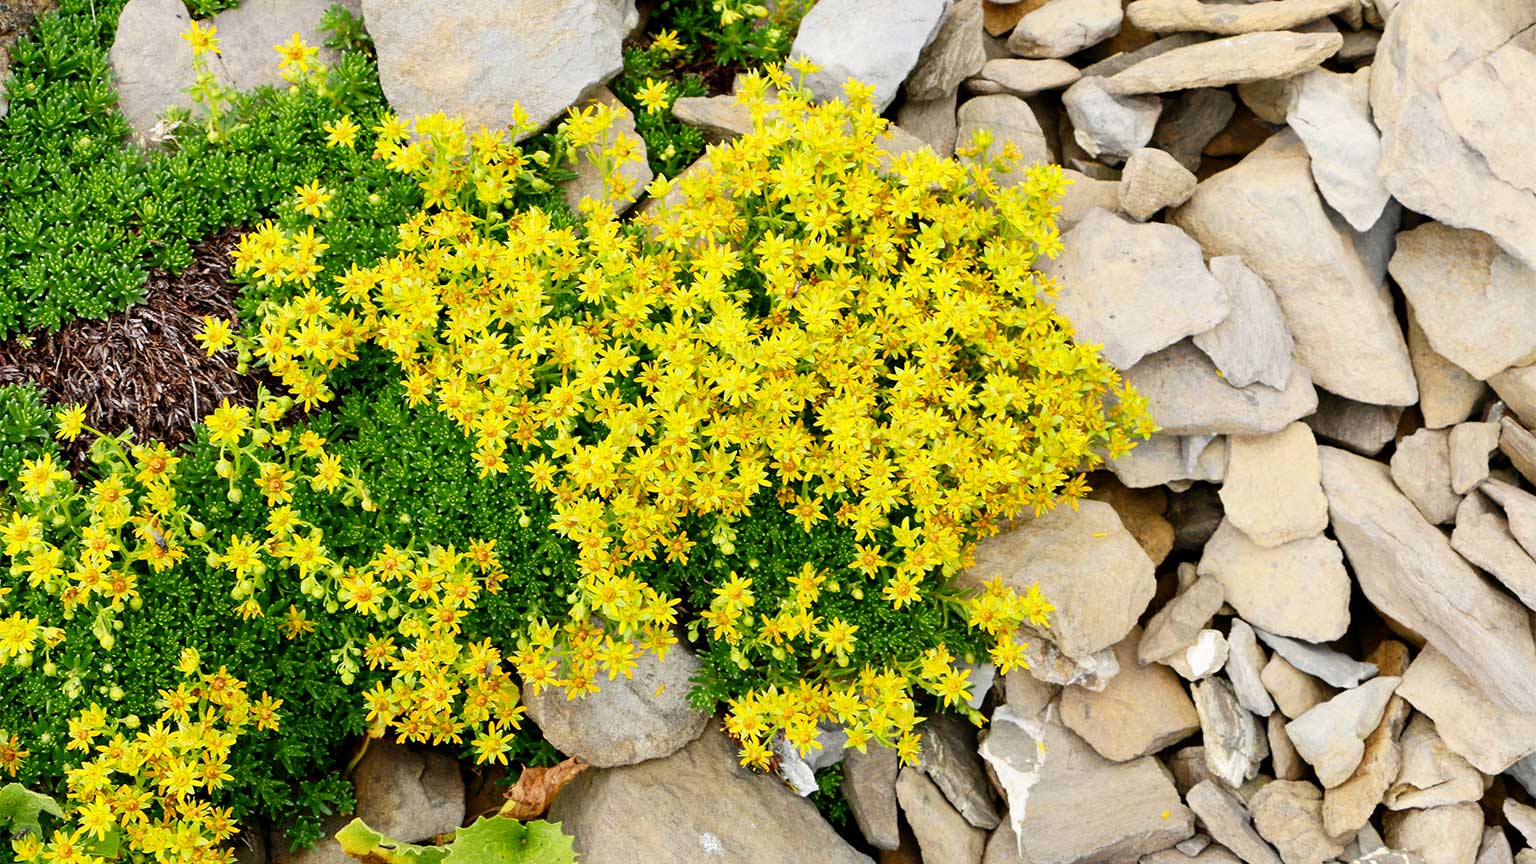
{"points": [[490, 840], [20, 809]]}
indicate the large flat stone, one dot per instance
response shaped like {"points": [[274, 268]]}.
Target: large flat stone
{"points": [[1187, 396]]}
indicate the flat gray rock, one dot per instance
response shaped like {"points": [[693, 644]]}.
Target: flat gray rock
{"points": [[1331, 113], [1225, 818], [1489, 736], [1188, 396], [1298, 589], [1476, 303], [1235, 741], [1107, 126], [1432, 774], [1273, 488], [1245, 665], [1025, 78], [1190, 121], [881, 50], [1358, 426], [869, 787], [1133, 288], [408, 795], [1331, 736], [1094, 571], [949, 759], [1267, 210], [1409, 572], [1141, 711], [152, 65], [1228, 19], [628, 720], [1338, 670], [1289, 814], [942, 833], [956, 53], [248, 32], [544, 55], [1180, 621], [1152, 180], [1233, 60], [1252, 344], [717, 811]]}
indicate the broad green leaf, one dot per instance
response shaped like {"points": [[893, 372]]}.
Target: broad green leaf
{"points": [[490, 840], [21, 809]]}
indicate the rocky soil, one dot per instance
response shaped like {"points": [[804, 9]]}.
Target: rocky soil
{"points": [[1296, 626]]}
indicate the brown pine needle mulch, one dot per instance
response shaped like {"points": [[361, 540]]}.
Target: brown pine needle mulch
{"points": [[141, 367]]}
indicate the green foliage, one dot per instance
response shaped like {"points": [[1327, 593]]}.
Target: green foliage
{"points": [[23, 429], [733, 33], [21, 809], [84, 214], [490, 840], [205, 8], [670, 144], [829, 799]]}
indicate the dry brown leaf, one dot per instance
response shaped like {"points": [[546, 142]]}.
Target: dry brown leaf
{"points": [[536, 788]]}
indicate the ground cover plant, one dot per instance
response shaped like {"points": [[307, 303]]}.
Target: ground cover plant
{"points": [[510, 447]]}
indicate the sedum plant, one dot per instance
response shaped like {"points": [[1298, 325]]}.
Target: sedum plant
{"points": [[852, 335]]}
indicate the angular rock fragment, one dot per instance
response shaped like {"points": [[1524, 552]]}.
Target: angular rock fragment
{"points": [[715, 807], [1447, 394], [1294, 691], [1331, 736], [1252, 344], [1476, 303], [1439, 835], [1421, 468], [1180, 620], [1432, 775], [1289, 814], [1233, 60], [1360, 427], [1482, 536], [544, 56], [1133, 289], [1348, 806], [869, 787], [1297, 589], [1235, 742], [1108, 126], [1152, 180], [1009, 118], [1409, 572], [1025, 78], [1245, 664], [1093, 570], [1169, 16], [1486, 734], [1201, 658], [949, 759], [942, 833], [1227, 821], [1339, 670], [1189, 123], [1267, 210], [1273, 488], [1141, 711], [1331, 113], [880, 50], [1187, 395], [954, 54], [1065, 27]]}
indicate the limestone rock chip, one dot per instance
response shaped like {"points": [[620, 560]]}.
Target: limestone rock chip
{"points": [[1331, 736], [1141, 711], [628, 720], [1421, 468], [1225, 818], [1064, 27], [716, 810], [1190, 121], [1267, 210], [1107, 126], [881, 50], [1273, 488], [1336, 668], [1409, 572], [1476, 303], [1025, 78], [1233, 60], [1432, 775], [1252, 344], [1289, 814], [1097, 575], [1471, 444], [410, 795], [1152, 180], [1180, 621], [1134, 289], [1187, 395], [1010, 119], [1245, 665], [1169, 16], [1448, 394], [1331, 113], [1486, 734], [1295, 692], [956, 53], [869, 787], [1298, 589], [1358, 426], [942, 833], [1235, 742], [1439, 835], [545, 55], [1482, 536]]}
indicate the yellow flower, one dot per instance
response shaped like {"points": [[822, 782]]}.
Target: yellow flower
{"points": [[311, 199], [656, 96], [297, 57], [71, 422], [38, 476], [201, 37], [666, 41], [341, 133], [215, 335], [228, 424]]}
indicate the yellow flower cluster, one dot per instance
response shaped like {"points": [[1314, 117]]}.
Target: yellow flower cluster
{"points": [[143, 791], [858, 332]]}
